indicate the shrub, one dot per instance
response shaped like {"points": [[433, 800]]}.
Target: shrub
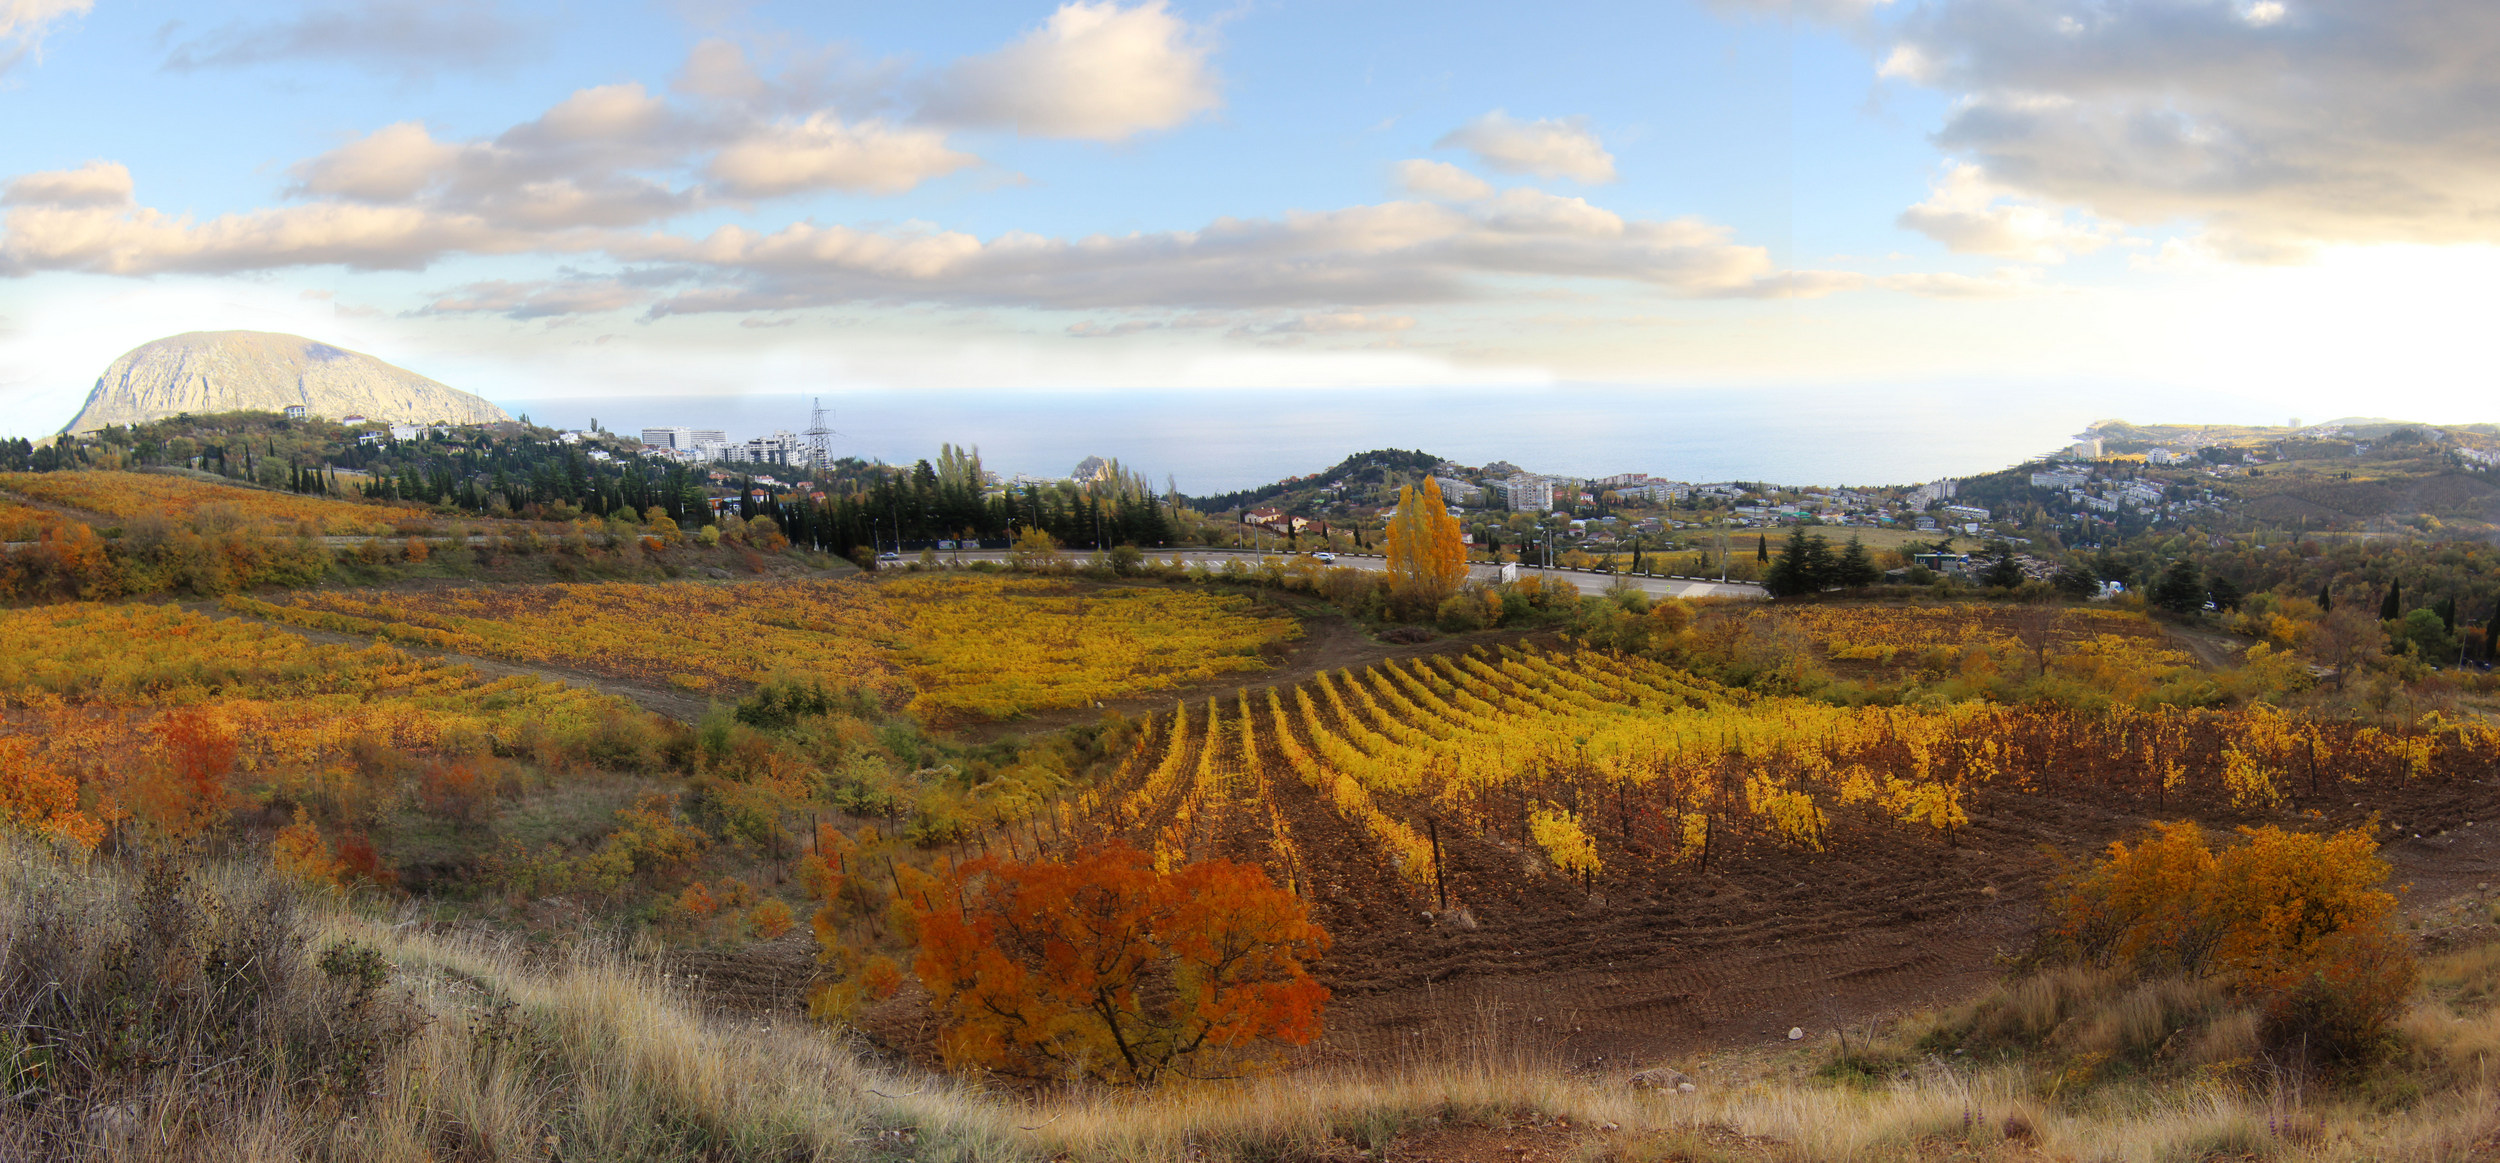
{"points": [[1461, 613], [2299, 923]]}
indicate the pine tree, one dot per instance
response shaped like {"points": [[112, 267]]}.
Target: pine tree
{"points": [[2391, 607], [1855, 569]]}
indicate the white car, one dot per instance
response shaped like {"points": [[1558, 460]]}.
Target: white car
{"points": [[1324, 556]]}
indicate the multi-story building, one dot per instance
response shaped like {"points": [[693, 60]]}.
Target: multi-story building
{"points": [[1524, 493], [668, 438], [1458, 492], [1965, 513], [778, 448]]}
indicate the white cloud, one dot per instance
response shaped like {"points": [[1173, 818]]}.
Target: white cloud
{"points": [[97, 183], [537, 300], [391, 164], [1093, 329], [1971, 216], [1831, 11], [1441, 181], [2277, 127], [1554, 147], [823, 153], [2003, 283], [142, 241], [1096, 71], [412, 37], [24, 24], [1396, 252], [1328, 323]]}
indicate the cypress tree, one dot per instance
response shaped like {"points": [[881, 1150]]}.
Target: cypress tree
{"points": [[2391, 607], [1762, 547], [2326, 597], [2448, 613]]}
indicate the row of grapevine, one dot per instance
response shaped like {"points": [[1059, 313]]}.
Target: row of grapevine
{"points": [[1608, 765]]}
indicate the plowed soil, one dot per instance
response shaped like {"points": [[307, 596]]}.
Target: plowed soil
{"points": [[1652, 966]]}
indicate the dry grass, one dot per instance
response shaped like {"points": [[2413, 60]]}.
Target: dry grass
{"points": [[495, 1052]]}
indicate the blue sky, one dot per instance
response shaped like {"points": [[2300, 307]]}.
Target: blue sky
{"points": [[2286, 204]]}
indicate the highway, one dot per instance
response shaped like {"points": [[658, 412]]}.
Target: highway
{"points": [[1588, 582]]}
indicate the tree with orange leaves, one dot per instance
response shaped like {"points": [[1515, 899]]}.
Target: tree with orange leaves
{"points": [[1427, 558], [1106, 968], [199, 754]]}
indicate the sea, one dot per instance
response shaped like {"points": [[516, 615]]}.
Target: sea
{"points": [[1210, 441]]}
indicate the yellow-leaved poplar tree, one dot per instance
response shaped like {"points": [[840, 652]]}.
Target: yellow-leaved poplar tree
{"points": [[1427, 560]]}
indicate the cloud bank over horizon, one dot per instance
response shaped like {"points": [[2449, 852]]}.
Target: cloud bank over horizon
{"points": [[1160, 184]]}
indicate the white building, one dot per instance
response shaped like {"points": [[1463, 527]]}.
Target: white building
{"points": [[778, 448], [680, 438], [1934, 491], [1965, 513], [1525, 494], [1458, 492]]}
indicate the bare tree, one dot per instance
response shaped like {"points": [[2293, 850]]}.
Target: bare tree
{"points": [[2347, 635], [2035, 626]]}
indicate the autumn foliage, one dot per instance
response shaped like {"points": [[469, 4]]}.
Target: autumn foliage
{"points": [[2300, 923], [1427, 559], [1103, 967]]}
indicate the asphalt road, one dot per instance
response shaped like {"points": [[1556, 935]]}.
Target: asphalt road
{"points": [[1589, 583]]}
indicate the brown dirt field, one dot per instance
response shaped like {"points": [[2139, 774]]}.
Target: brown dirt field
{"points": [[1658, 964]]}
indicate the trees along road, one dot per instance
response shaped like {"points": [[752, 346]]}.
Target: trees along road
{"points": [[1589, 582]]}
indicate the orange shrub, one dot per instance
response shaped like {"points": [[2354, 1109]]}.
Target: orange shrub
{"points": [[770, 919], [43, 799], [2297, 922], [299, 851], [1108, 967]]}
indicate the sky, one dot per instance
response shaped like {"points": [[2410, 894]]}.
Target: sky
{"points": [[2067, 209]]}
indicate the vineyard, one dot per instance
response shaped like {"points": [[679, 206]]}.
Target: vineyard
{"points": [[1513, 788], [103, 724], [1884, 633], [956, 647], [201, 504]]}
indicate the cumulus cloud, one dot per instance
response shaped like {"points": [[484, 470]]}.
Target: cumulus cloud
{"points": [[537, 300], [141, 241], [97, 183], [1096, 71], [1554, 147], [413, 37], [2276, 126], [591, 159], [1441, 181], [1970, 215], [823, 153], [24, 24]]}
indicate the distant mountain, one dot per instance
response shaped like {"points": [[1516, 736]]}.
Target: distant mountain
{"points": [[204, 372]]}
